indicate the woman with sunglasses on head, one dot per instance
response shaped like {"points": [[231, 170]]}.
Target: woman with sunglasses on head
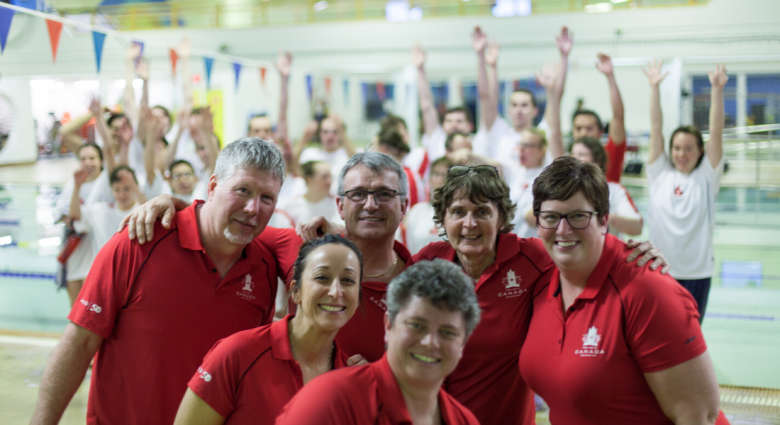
{"points": [[609, 343], [250, 376], [474, 211]]}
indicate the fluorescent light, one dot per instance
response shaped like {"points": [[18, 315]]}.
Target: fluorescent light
{"points": [[47, 84], [415, 14], [322, 5], [397, 11], [618, 1], [503, 9], [5, 240], [87, 84], [47, 242], [598, 8]]}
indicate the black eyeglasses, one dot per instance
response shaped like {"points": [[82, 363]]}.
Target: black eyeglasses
{"points": [[577, 219], [459, 170], [381, 196]]}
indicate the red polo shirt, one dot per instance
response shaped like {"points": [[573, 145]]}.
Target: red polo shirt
{"points": [[589, 366], [248, 377], [362, 395], [160, 307], [487, 380], [364, 334], [615, 156]]}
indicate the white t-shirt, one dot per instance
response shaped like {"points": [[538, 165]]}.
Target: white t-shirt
{"points": [[521, 193], [434, 143], [502, 142], [291, 188], [419, 228], [620, 204], [300, 210], [135, 158], [100, 221], [337, 159], [682, 215]]}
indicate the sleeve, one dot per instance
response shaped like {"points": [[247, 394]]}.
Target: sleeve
{"points": [[615, 156], [326, 400], [101, 191], [662, 323], [485, 142], [434, 144], [108, 282], [658, 167], [283, 245], [625, 205], [217, 378], [713, 175]]}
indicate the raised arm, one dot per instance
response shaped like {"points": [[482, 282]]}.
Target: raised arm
{"points": [[69, 131], [128, 100], [488, 107], [430, 116], [150, 124], [64, 373], [170, 154], [714, 148], [688, 392], [549, 78], [142, 69], [654, 77], [184, 59], [283, 64], [491, 59], [102, 129], [79, 177], [617, 128], [206, 129]]}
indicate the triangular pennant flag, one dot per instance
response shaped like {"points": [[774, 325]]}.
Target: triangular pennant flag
{"points": [[55, 29], [209, 62], [262, 75], [6, 15], [327, 86], [309, 85], [98, 38], [174, 58], [237, 69], [346, 92]]}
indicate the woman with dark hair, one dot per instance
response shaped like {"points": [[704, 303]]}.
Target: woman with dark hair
{"points": [[684, 187], [250, 376], [624, 218], [475, 213], [609, 343]]}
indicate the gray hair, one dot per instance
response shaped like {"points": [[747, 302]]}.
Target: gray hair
{"points": [[376, 162], [249, 152], [443, 283]]}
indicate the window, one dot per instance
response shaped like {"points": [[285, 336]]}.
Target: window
{"points": [[701, 102]]}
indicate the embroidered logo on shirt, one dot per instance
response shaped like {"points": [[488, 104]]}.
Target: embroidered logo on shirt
{"points": [[590, 344], [380, 302], [512, 285], [678, 191], [246, 291], [203, 374]]}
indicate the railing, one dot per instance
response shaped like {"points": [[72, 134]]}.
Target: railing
{"points": [[249, 13]]}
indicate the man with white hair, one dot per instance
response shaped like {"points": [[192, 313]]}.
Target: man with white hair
{"points": [[151, 312]]}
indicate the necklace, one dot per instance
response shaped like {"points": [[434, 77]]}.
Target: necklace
{"points": [[386, 271]]}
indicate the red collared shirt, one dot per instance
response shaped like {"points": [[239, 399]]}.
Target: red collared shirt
{"points": [[249, 376], [589, 366], [160, 307], [487, 379], [362, 395]]}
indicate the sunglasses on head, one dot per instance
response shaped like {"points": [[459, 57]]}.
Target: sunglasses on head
{"points": [[459, 170]]}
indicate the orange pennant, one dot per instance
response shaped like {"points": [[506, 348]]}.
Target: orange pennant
{"points": [[55, 28], [262, 75], [174, 59], [327, 85]]}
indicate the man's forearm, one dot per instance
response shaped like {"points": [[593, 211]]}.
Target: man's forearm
{"points": [[617, 128], [64, 374]]}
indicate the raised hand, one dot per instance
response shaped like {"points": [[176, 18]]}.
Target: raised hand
{"points": [[718, 78], [81, 175], [142, 69], [653, 72], [604, 64], [94, 106], [491, 54], [283, 63], [564, 41], [133, 50], [185, 48], [547, 76], [418, 56], [479, 40]]}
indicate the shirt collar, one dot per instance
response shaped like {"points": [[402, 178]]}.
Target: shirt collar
{"points": [[282, 350], [187, 222], [597, 277], [392, 398]]}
